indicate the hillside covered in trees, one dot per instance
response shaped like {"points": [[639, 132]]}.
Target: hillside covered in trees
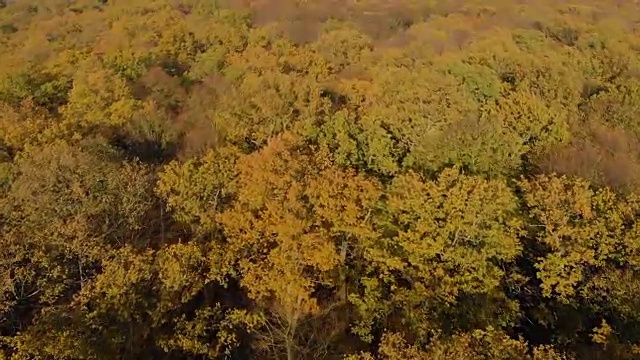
{"points": [[320, 179]]}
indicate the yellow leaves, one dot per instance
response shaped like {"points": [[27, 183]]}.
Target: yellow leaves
{"points": [[268, 102], [560, 273], [409, 112], [548, 197], [178, 44], [213, 332], [454, 218], [583, 229], [564, 205], [327, 228], [482, 145], [23, 126], [98, 97], [537, 122], [342, 47], [66, 196], [371, 305], [490, 344], [267, 174], [394, 347], [360, 356], [229, 30], [180, 269], [293, 209], [616, 104], [601, 333], [286, 174], [197, 189], [160, 34], [146, 286], [126, 63], [438, 241], [341, 197], [113, 288], [614, 290]]}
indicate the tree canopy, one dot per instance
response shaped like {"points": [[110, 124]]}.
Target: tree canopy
{"points": [[320, 179]]}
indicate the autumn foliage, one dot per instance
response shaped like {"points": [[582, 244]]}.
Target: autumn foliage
{"points": [[288, 179]]}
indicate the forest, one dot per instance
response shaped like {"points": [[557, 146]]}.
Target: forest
{"points": [[320, 179]]}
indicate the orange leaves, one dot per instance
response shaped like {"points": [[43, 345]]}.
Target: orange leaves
{"points": [[292, 206], [23, 126], [293, 212]]}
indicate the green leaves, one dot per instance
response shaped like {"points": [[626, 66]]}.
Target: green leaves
{"points": [[199, 188], [438, 242]]}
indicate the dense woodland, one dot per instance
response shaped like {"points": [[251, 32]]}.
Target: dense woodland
{"points": [[320, 179]]}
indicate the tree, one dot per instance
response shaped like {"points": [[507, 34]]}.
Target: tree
{"points": [[294, 216], [439, 241], [586, 236], [487, 344], [64, 211]]}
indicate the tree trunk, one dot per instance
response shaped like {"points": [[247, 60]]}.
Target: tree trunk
{"points": [[343, 272], [290, 350]]}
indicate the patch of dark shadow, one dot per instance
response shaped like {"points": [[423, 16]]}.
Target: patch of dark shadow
{"points": [[565, 35], [338, 101], [509, 78], [174, 67], [149, 151], [100, 147], [537, 25], [250, 145], [6, 154], [8, 29], [591, 89]]}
